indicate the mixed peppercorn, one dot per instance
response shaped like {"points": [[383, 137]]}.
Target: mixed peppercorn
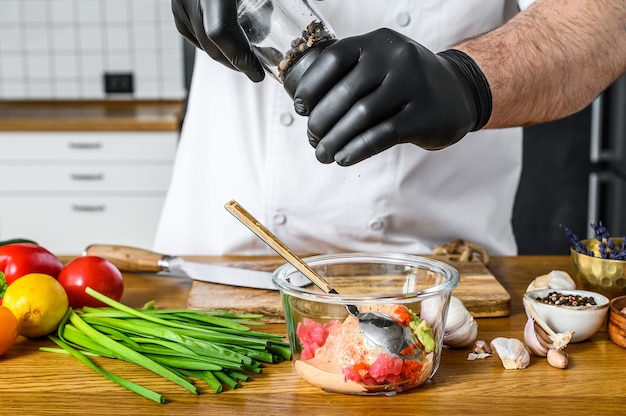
{"points": [[562, 299], [314, 33]]}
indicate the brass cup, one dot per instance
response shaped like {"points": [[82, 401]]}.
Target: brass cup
{"points": [[605, 276]]}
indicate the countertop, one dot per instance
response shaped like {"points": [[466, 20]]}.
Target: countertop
{"points": [[39, 383], [113, 115]]}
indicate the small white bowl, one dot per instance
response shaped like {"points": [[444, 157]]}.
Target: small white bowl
{"points": [[584, 321]]}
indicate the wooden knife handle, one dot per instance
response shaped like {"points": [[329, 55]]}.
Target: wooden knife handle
{"points": [[127, 259]]}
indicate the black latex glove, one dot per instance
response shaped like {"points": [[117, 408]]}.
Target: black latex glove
{"points": [[212, 26], [367, 93]]}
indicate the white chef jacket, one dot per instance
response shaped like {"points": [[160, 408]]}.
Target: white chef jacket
{"points": [[243, 141]]}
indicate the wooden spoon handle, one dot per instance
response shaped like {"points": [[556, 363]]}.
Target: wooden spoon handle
{"points": [[271, 240]]}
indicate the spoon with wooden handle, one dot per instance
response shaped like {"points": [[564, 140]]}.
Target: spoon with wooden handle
{"points": [[379, 328]]}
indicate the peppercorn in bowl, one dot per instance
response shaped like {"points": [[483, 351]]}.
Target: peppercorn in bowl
{"points": [[580, 311]]}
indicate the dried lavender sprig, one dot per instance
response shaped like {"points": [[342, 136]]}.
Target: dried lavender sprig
{"points": [[575, 242], [573, 238], [622, 251], [607, 248], [610, 244], [582, 248], [600, 231]]}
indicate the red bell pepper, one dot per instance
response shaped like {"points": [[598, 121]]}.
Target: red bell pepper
{"points": [[19, 259]]}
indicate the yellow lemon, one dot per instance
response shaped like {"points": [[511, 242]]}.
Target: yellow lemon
{"points": [[38, 301]]}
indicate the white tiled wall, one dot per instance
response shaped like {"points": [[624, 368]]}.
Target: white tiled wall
{"points": [[60, 49]]}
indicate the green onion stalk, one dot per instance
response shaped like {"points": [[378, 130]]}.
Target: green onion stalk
{"points": [[180, 345]]}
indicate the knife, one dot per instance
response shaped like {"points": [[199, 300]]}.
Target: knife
{"points": [[133, 259]]}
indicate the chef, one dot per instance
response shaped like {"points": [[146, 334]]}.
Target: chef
{"points": [[243, 140]]}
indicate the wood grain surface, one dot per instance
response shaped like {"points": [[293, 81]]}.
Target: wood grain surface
{"points": [[481, 293], [37, 383], [90, 115]]}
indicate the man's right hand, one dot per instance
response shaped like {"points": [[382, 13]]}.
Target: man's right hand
{"points": [[211, 25]]}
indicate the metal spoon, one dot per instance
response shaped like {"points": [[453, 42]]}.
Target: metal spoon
{"points": [[379, 328]]}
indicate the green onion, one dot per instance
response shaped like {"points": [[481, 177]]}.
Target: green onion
{"points": [[128, 354], [226, 379], [216, 347], [207, 377], [135, 388]]}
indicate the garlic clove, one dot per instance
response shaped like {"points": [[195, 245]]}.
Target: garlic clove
{"points": [[557, 358], [480, 350], [477, 356], [560, 339], [535, 344], [542, 335], [556, 279], [512, 353], [481, 347], [461, 328]]}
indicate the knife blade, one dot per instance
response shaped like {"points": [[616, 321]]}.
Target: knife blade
{"points": [[138, 260]]}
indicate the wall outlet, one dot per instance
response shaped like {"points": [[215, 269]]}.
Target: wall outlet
{"points": [[119, 83]]}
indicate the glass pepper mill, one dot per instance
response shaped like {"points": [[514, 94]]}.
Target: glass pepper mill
{"points": [[286, 36]]}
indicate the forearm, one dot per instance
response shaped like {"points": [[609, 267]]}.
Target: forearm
{"points": [[552, 59]]}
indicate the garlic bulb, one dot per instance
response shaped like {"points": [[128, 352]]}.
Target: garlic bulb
{"points": [[512, 353], [535, 344], [461, 329], [556, 279]]}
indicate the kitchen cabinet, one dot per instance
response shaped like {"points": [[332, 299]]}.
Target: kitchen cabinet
{"points": [[80, 174]]}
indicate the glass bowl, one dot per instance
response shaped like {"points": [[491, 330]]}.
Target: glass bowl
{"points": [[605, 276], [328, 349]]}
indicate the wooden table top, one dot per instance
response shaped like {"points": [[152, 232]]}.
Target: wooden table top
{"points": [[110, 115], [39, 383]]}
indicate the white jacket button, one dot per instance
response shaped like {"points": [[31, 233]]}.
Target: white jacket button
{"points": [[286, 119], [376, 225], [403, 19], [279, 219]]}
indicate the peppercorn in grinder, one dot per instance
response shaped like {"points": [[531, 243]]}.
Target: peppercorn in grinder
{"points": [[286, 36]]}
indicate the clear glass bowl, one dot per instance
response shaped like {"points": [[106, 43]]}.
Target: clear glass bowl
{"points": [[328, 349]]}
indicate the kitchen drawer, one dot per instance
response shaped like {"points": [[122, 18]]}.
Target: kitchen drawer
{"points": [[17, 147], [21, 179], [66, 225]]}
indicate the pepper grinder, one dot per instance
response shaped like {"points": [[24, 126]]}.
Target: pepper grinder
{"points": [[286, 36]]}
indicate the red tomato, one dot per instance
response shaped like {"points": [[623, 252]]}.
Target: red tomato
{"points": [[8, 329], [19, 259], [94, 272]]}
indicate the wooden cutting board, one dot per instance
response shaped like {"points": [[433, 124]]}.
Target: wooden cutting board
{"points": [[479, 290]]}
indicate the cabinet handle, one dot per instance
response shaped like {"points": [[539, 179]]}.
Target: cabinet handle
{"points": [[87, 176], [85, 145], [88, 208]]}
